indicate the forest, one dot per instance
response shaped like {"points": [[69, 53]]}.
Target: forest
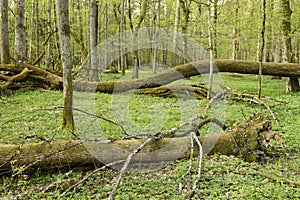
{"points": [[149, 99]]}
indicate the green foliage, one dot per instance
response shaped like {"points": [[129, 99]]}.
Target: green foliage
{"points": [[223, 177]]}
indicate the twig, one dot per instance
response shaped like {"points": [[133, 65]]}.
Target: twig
{"points": [[38, 137], [94, 115], [43, 157], [172, 131], [57, 182], [189, 171], [213, 120], [89, 175], [254, 99], [273, 177], [157, 136], [125, 166], [200, 161], [212, 100]]}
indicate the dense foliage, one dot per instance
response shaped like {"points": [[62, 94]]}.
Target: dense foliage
{"points": [[236, 27]]}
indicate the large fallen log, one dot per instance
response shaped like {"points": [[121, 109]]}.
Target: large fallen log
{"points": [[38, 75], [163, 78], [194, 69], [242, 140]]}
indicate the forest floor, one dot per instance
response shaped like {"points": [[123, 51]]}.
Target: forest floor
{"points": [[29, 113]]}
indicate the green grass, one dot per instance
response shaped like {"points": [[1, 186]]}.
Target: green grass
{"points": [[223, 177]]}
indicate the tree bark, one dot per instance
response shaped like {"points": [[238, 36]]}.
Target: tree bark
{"points": [[62, 9], [20, 42], [93, 32], [4, 35], [242, 140], [292, 84]]}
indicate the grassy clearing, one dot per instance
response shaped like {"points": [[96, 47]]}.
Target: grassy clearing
{"points": [[223, 177]]}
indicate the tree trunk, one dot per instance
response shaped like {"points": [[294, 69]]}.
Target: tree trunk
{"points": [[37, 30], [185, 6], [143, 12], [62, 9], [261, 53], [292, 84], [4, 36], [235, 39], [20, 42], [176, 25], [93, 29], [242, 140], [48, 57]]}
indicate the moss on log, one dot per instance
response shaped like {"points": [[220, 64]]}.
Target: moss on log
{"points": [[242, 140], [183, 71], [197, 91]]}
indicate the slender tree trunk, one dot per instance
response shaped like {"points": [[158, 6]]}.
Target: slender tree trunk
{"points": [[32, 31], [37, 30], [122, 64], [185, 6], [83, 50], [235, 42], [62, 9], [292, 84], [262, 48], [20, 42], [211, 51], [143, 12], [176, 27], [106, 35], [93, 28], [214, 28], [4, 35], [156, 25], [49, 48]]}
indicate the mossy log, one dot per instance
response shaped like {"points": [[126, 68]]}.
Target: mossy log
{"points": [[198, 91], [16, 78], [242, 140], [54, 81], [38, 75]]}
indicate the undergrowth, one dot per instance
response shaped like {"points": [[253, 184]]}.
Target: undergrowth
{"points": [[31, 113]]}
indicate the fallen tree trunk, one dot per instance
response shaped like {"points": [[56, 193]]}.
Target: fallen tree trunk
{"points": [[198, 91], [194, 69], [38, 75], [242, 140], [163, 78], [16, 78]]}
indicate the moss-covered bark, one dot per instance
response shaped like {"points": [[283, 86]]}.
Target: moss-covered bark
{"points": [[242, 140], [179, 72]]}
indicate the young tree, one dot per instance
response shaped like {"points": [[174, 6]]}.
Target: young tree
{"points": [[176, 27], [20, 42], [261, 54], [292, 84], [4, 39], [62, 11], [185, 6], [235, 41], [93, 33]]}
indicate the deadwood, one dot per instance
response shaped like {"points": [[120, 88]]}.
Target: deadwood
{"points": [[243, 140], [179, 72]]}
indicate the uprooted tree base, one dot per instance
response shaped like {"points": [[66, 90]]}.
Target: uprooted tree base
{"points": [[245, 139]]}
